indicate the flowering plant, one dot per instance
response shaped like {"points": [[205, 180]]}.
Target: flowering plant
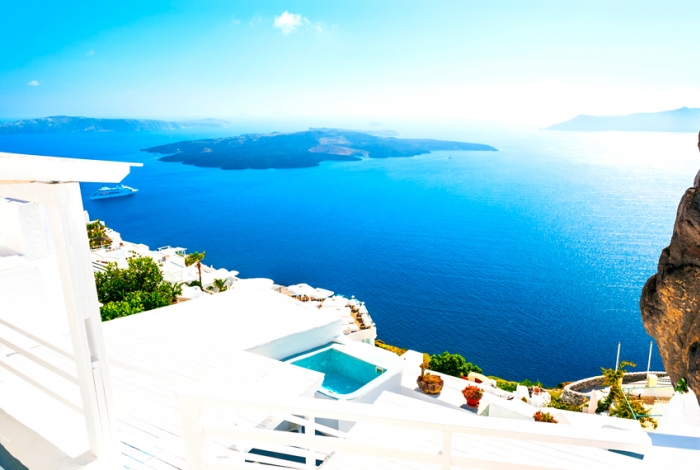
{"points": [[472, 392], [544, 417], [431, 379]]}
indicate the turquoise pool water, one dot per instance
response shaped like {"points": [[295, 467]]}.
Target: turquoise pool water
{"points": [[344, 374]]}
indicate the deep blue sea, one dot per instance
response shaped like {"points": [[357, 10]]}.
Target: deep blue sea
{"points": [[529, 261]]}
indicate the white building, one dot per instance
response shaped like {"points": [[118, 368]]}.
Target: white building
{"points": [[171, 261], [245, 376]]}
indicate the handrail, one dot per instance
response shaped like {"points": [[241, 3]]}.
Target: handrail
{"points": [[348, 411], [41, 387], [194, 401], [329, 445], [40, 361], [52, 347]]}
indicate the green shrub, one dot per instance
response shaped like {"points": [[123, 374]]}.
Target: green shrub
{"points": [[396, 350], [138, 288], [529, 383], [506, 385], [556, 402], [617, 403], [452, 364]]}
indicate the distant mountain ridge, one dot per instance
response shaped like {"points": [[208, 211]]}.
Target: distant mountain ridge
{"points": [[299, 149], [79, 124], [677, 120]]}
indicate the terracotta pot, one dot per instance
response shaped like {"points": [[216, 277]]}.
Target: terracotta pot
{"points": [[473, 401], [429, 388]]}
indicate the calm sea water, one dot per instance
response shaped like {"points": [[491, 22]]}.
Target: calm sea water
{"points": [[529, 261]]}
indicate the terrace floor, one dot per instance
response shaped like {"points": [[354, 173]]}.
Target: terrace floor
{"points": [[150, 356]]}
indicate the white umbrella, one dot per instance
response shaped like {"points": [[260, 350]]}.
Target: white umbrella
{"points": [[321, 294], [302, 290], [335, 302]]}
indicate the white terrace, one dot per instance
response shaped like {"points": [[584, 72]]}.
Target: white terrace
{"points": [[202, 384]]}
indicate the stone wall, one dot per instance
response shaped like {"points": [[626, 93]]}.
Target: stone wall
{"points": [[572, 394]]}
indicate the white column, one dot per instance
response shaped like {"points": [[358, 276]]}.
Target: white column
{"points": [[192, 434], [72, 249], [83, 312]]}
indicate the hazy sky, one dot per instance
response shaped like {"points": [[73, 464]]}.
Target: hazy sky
{"points": [[534, 63]]}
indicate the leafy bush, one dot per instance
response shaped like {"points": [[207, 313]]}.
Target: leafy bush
{"points": [[452, 364], [617, 403], [396, 350], [558, 403], [138, 288], [681, 386], [503, 384], [544, 417], [529, 383], [507, 386]]}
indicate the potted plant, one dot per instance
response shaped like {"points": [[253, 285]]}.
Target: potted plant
{"points": [[429, 384], [473, 394], [544, 417]]}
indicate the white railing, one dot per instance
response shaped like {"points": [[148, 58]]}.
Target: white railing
{"points": [[239, 440], [47, 365]]}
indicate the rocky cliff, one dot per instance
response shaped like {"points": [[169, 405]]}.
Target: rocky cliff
{"points": [[670, 302]]}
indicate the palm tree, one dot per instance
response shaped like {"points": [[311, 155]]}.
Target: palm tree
{"points": [[220, 285], [196, 257], [97, 234]]}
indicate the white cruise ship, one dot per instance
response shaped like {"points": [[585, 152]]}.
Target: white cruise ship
{"points": [[118, 191]]}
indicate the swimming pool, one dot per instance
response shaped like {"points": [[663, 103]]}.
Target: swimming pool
{"points": [[344, 374], [351, 371]]}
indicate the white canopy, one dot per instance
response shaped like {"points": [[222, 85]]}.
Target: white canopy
{"points": [[302, 289], [322, 294], [22, 168], [340, 311], [259, 283], [308, 291], [335, 302]]}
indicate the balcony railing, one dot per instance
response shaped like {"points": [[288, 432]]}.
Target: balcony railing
{"points": [[243, 445], [44, 363]]}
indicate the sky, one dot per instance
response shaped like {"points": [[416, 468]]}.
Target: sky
{"points": [[523, 63]]}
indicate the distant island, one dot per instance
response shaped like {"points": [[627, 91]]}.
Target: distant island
{"points": [[677, 120], [300, 149], [73, 124]]}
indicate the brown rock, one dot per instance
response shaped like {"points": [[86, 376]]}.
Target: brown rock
{"points": [[670, 302]]}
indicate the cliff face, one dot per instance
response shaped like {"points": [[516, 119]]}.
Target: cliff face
{"points": [[670, 302]]}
